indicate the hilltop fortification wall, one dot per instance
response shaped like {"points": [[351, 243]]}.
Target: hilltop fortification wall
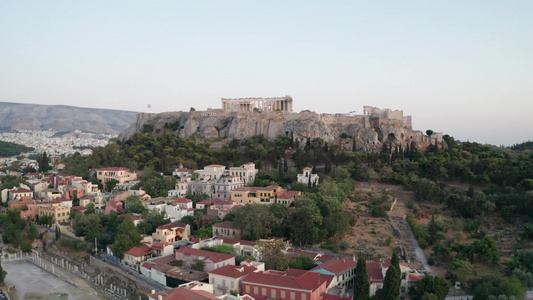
{"points": [[372, 129]]}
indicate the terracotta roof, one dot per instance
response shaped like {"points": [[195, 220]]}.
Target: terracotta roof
{"points": [[226, 224], [337, 266], [214, 201], [233, 271], [160, 261], [291, 279], [373, 269], [172, 225], [21, 190], [307, 168], [78, 208], [159, 245], [135, 218], [139, 251], [325, 257], [182, 200], [414, 278]]}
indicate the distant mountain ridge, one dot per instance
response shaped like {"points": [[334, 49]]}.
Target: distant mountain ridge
{"points": [[63, 118]]}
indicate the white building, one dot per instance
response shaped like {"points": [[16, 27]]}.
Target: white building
{"points": [[306, 176], [247, 172]]}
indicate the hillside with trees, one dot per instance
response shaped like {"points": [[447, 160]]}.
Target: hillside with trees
{"points": [[469, 192], [11, 149]]}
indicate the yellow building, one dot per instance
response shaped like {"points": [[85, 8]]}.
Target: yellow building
{"points": [[56, 210], [120, 174], [261, 195]]}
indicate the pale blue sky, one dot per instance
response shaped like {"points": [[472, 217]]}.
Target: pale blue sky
{"points": [[464, 68]]}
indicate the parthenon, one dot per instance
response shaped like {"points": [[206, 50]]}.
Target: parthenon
{"points": [[283, 104]]}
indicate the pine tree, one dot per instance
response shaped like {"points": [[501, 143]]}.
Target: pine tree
{"points": [[353, 145], [392, 281], [361, 284], [285, 167]]}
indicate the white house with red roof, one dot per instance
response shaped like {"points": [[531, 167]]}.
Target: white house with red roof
{"points": [[20, 193], [228, 278], [212, 260], [136, 255], [202, 204], [376, 274]]}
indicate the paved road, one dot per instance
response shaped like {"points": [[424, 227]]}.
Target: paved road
{"points": [[154, 285], [420, 256]]}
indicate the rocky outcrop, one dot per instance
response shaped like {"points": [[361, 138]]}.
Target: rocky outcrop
{"points": [[369, 131]]}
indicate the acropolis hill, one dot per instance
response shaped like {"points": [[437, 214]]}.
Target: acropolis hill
{"points": [[273, 117]]}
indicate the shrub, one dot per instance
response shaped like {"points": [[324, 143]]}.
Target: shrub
{"points": [[26, 247]]}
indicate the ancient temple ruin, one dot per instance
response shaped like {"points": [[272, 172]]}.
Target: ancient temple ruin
{"points": [[283, 104]]}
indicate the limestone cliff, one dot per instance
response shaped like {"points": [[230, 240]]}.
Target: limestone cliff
{"points": [[370, 130]]}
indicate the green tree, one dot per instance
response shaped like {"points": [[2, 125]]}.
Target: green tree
{"points": [[33, 231], [361, 284], [127, 238], [305, 222], [26, 247], [90, 209], [110, 185], [302, 262], [134, 205], [271, 253], [392, 281], [436, 286], [198, 265]]}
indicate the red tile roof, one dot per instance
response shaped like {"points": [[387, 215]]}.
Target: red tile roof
{"points": [[214, 201], [233, 271], [182, 200], [78, 208], [337, 266], [172, 225], [139, 251], [291, 279], [226, 224], [21, 190]]}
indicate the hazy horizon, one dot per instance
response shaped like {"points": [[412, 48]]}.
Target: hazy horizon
{"points": [[461, 68]]}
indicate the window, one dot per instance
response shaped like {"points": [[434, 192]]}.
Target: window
{"points": [[264, 293], [282, 294], [223, 282], [273, 293], [232, 284], [212, 280], [293, 295], [304, 297], [247, 289], [256, 290]]}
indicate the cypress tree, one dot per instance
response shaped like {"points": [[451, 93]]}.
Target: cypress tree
{"points": [[392, 282], [353, 145], [361, 284], [285, 167]]}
